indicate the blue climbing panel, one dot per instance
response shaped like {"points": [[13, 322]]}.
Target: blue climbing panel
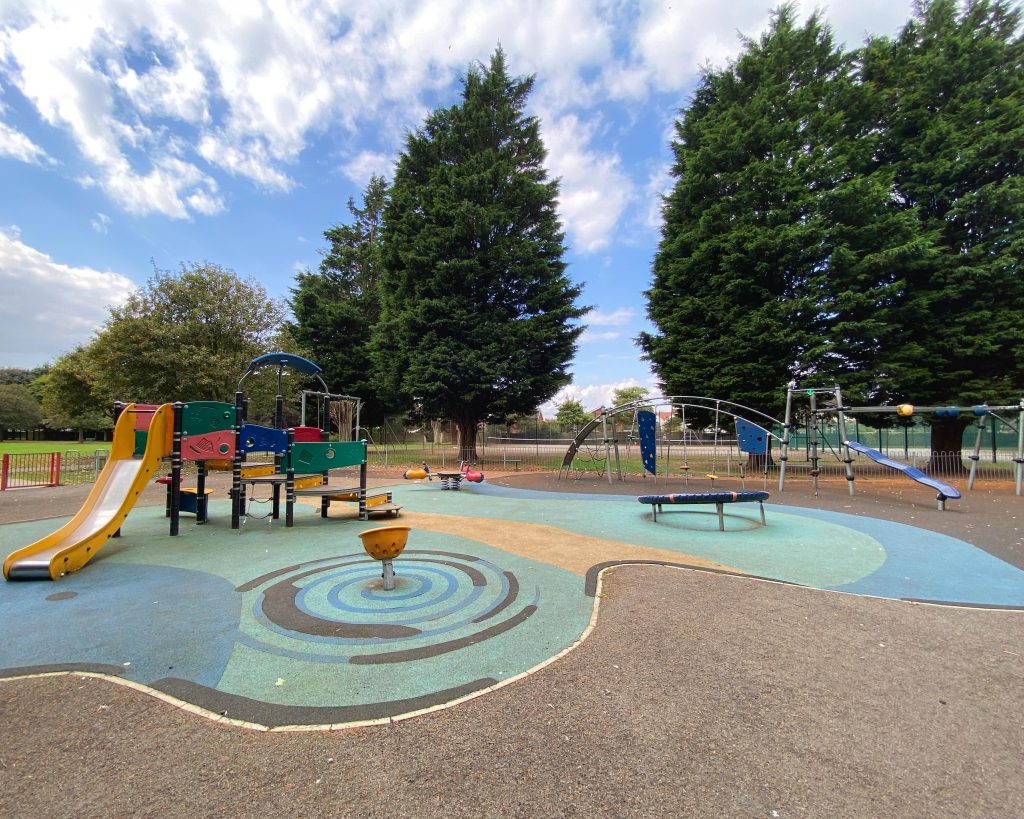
{"points": [[648, 446], [752, 438]]}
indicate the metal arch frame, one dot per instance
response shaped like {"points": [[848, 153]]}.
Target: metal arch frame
{"points": [[718, 405]]}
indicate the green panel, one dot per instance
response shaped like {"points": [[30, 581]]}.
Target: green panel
{"points": [[140, 443], [201, 417], [319, 457]]}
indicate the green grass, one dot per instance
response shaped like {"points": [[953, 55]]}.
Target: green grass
{"points": [[31, 447]]}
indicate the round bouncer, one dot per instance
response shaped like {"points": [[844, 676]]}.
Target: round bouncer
{"points": [[719, 499]]}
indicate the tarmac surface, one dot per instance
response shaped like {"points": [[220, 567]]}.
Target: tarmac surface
{"points": [[697, 693]]}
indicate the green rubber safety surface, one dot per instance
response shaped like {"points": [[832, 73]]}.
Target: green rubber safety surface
{"points": [[277, 625]]}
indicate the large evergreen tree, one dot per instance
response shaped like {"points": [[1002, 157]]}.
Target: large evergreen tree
{"points": [[950, 95], [337, 307], [477, 314], [780, 249]]}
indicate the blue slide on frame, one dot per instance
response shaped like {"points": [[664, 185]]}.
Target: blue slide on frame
{"points": [[944, 489]]}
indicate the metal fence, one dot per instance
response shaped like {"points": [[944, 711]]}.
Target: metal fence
{"points": [[29, 469]]}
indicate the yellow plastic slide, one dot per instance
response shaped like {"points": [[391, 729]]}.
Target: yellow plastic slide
{"points": [[119, 484]]}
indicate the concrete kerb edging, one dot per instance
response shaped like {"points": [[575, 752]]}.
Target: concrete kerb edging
{"points": [[384, 721]]}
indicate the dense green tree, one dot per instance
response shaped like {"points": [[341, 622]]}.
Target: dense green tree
{"points": [[571, 413], [477, 314], [781, 246], [17, 375], [337, 307], [627, 395], [949, 91], [71, 397], [18, 408], [185, 337]]}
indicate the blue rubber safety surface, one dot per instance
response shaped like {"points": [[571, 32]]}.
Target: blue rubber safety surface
{"points": [[280, 626]]}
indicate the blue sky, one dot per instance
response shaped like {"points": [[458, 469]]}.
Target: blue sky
{"points": [[141, 133]]}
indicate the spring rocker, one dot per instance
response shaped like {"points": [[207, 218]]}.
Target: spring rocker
{"points": [[450, 479]]}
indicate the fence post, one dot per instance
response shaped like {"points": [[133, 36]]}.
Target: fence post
{"points": [[4, 469], [55, 469]]}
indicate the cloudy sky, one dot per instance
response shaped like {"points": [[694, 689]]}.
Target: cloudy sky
{"points": [[138, 134]]}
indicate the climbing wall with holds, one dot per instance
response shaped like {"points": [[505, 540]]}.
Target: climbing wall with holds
{"points": [[645, 422]]}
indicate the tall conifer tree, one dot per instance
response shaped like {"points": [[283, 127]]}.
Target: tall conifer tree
{"points": [[781, 246], [478, 318], [950, 95]]}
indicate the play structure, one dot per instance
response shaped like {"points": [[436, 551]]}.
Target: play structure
{"points": [[661, 428], [755, 432], [719, 499], [302, 455], [212, 435], [836, 407]]}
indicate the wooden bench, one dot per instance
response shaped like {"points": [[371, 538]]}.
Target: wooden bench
{"points": [[719, 499]]}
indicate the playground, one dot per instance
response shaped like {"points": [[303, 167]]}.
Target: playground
{"points": [[535, 643], [538, 627]]}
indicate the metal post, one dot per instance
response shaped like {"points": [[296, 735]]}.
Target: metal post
{"points": [[289, 500], [784, 454], [841, 417], [814, 441], [175, 485], [1019, 461], [607, 445], [976, 454], [388, 575], [237, 491]]}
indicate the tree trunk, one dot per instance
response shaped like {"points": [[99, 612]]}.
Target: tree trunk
{"points": [[947, 444], [343, 414], [467, 440]]}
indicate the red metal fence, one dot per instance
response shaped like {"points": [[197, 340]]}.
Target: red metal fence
{"points": [[29, 469]]}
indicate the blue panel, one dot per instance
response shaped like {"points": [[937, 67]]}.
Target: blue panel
{"points": [[911, 472], [254, 438], [295, 362], [648, 447], [752, 438]]}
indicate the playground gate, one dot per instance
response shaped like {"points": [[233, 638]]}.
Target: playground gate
{"points": [[21, 470]]}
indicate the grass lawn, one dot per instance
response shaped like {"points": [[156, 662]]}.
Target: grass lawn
{"points": [[30, 447]]}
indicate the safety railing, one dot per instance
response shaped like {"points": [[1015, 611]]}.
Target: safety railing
{"points": [[21, 470]]}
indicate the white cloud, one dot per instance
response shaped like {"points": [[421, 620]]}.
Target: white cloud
{"points": [[595, 191], [617, 318], [16, 145], [246, 158], [160, 97], [591, 396], [101, 224], [590, 337], [671, 42], [366, 164], [49, 308]]}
